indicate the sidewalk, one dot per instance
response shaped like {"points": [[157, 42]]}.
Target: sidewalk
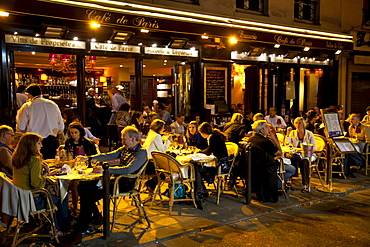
{"points": [[186, 220], [175, 230]]}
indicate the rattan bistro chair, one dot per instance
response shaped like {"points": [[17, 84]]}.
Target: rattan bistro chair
{"points": [[117, 196], [43, 216], [169, 172], [233, 151]]}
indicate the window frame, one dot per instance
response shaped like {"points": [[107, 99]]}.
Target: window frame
{"points": [[262, 10], [314, 15]]}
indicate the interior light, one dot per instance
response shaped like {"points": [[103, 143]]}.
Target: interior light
{"points": [[154, 45], [183, 63], [93, 40], [165, 61], [144, 65], [120, 65], [4, 14], [95, 25], [204, 36], [338, 52], [233, 40], [144, 30], [108, 41], [193, 48], [44, 77], [37, 35], [276, 45], [140, 44], [75, 38], [153, 74], [15, 33], [33, 53], [306, 48]]}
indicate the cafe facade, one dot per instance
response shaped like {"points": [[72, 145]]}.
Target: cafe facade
{"points": [[206, 61]]}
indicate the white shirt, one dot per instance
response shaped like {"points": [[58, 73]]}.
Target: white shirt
{"points": [[176, 128], [40, 116], [273, 121], [154, 142], [117, 101], [21, 99]]}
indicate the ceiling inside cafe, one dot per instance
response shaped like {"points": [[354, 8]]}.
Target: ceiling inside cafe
{"points": [[41, 61]]}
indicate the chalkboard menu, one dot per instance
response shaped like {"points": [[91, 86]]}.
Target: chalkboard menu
{"points": [[215, 84]]}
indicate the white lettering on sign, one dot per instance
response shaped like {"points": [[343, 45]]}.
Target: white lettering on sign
{"points": [[59, 43], [171, 52], [115, 47]]}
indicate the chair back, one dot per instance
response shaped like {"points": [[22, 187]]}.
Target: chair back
{"points": [[281, 137], [320, 143], [165, 163], [136, 176], [232, 151]]}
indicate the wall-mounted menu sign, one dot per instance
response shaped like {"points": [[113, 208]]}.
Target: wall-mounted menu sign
{"points": [[114, 47], [171, 52], [59, 43], [215, 83]]}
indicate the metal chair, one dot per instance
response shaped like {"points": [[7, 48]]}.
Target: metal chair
{"points": [[280, 175], [40, 215], [366, 153], [320, 154], [169, 172], [233, 151], [117, 196]]}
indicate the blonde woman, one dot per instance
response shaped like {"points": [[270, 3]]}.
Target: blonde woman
{"points": [[296, 137]]}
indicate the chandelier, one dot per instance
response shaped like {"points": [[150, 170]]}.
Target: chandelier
{"points": [[68, 63]]}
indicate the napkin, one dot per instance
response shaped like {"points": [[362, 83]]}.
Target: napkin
{"points": [[66, 168]]}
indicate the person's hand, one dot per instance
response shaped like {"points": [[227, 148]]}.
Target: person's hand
{"points": [[96, 141], [46, 168], [81, 158]]}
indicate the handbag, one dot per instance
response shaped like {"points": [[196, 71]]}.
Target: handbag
{"points": [[225, 164], [179, 193]]}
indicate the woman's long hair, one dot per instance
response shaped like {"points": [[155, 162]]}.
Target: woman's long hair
{"points": [[188, 134], [135, 116], [79, 127], [25, 150], [157, 125]]}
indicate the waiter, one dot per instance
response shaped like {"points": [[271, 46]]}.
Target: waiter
{"points": [[41, 116]]}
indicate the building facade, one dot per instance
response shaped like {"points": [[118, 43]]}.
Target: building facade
{"points": [[289, 54]]}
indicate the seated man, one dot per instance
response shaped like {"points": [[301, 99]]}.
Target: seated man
{"points": [[132, 158], [178, 127], [6, 138], [362, 133], [264, 146]]}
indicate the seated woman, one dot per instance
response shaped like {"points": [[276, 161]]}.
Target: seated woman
{"points": [[29, 174], [194, 138], [217, 147], [235, 129], [154, 141], [78, 144], [137, 121], [123, 118], [148, 121], [296, 137]]}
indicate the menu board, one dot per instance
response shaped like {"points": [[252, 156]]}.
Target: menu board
{"points": [[215, 84], [332, 124]]}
